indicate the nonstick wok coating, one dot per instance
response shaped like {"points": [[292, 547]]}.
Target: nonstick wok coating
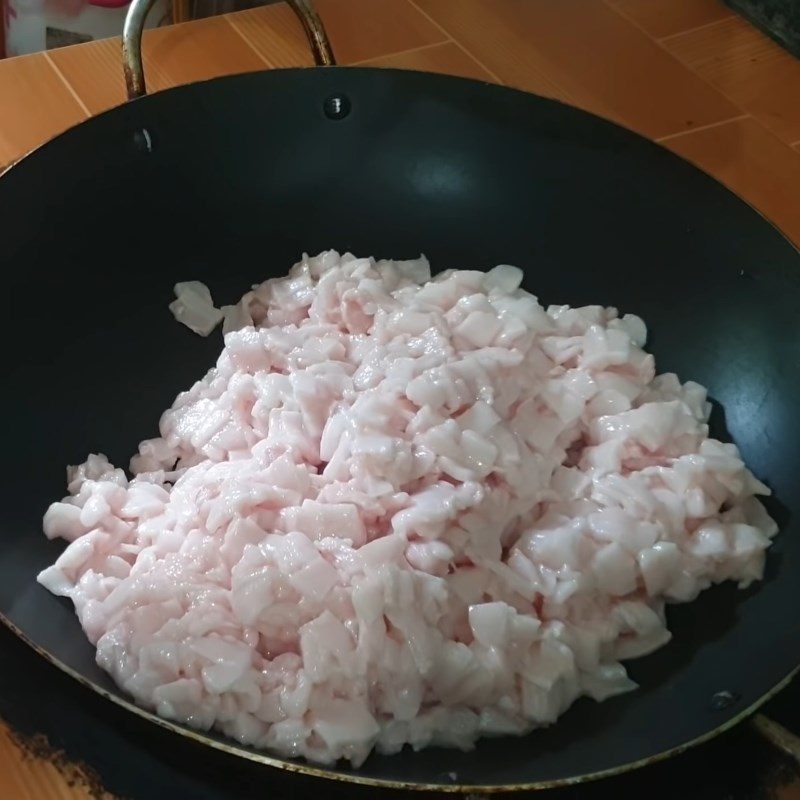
{"points": [[229, 181]]}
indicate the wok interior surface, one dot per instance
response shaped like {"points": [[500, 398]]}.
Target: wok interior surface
{"points": [[237, 177]]}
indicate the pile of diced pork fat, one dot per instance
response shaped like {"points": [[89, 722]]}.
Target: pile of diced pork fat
{"points": [[403, 510]]}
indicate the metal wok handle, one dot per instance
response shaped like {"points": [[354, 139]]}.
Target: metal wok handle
{"points": [[778, 736], [134, 25]]}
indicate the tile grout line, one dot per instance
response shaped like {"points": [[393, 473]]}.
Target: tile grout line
{"points": [[246, 39], [693, 30], [770, 132], [670, 136], [659, 43], [455, 41], [75, 96], [157, 79], [469, 55], [753, 118], [745, 114], [401, 52], [269, 64], [630, 19]]}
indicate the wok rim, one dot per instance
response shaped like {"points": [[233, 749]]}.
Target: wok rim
{"points": [[306, 768]]}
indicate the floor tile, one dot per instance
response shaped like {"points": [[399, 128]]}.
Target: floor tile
{"points": [[35, 105], [668, 17], [486, 34], [358, 30], [597, 57], [25, 775], [94, 71], [752, 70], [275, 33], [754, 163], [195, 51], [446, 58]]}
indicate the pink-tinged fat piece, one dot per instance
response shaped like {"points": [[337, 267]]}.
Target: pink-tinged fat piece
{"points": [[402, 510]]}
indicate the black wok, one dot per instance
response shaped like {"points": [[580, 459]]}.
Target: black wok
{"points": [[229, 181]]}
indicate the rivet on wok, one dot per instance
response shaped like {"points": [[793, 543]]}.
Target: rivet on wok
{"points": [[337, 106], [143, 140], [722, 700]]}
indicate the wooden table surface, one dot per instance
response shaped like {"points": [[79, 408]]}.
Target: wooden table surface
{"points": [[687, 73]]}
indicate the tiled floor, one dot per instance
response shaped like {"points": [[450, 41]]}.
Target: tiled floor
{"points": [[758, 76], [660, 18], [689, 73]]}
